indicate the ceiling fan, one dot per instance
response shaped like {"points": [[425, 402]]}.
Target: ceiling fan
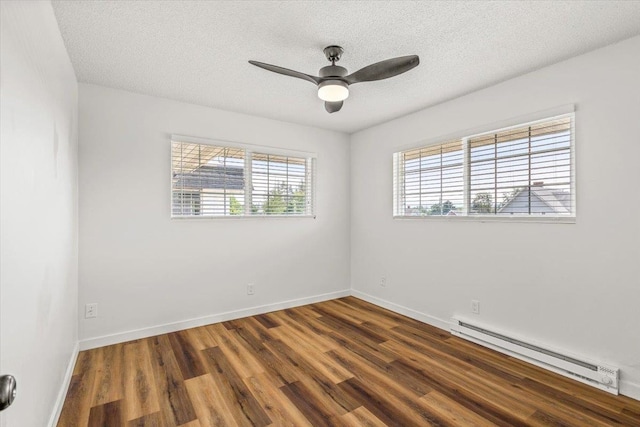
{"points": [[333, 82]]}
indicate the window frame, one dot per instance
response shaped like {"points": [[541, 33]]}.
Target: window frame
{"points": [[465, 137], [249, 150]]}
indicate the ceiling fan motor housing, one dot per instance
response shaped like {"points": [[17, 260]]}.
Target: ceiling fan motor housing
{"points": [[333, 71]]}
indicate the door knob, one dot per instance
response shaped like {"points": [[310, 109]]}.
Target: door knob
{"points": [[7, 391]]}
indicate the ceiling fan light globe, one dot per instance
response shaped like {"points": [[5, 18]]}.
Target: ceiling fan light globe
{"points": [[333, 91]]}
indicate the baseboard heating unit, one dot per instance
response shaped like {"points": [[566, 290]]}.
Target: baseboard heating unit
{"points": [[603, 377]]}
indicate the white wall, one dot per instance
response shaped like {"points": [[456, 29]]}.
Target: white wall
{"points": [[572, 286], [144, 269], [38, 254]]}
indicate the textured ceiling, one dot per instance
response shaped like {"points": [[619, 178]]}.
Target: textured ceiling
{"points": [[198, 51]]}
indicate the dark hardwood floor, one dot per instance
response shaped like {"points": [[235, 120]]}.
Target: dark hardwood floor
{"points": [[341, 362]]}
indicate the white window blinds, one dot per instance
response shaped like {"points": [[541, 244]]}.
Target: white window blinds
{"points": [[526, 170], [217, 181], [522, 171], [429, 180], [281, 185]]}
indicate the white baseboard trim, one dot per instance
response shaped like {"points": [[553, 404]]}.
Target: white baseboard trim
{"points": [[630, 389], [64, 387], [135, 334], [405, 311]]}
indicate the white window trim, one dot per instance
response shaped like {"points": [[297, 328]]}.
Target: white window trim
{"points": [[491, 218], [249, 150], [464, 136]]}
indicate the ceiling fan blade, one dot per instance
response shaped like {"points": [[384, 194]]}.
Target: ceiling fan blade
{"points": [[384, 69], [286, 72], [332, 107]]}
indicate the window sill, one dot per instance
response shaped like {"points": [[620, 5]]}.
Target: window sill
{"points": [[236, 217], [488, 218]]}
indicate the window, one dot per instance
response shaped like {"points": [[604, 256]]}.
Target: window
{"points": [[431, 180], [522, 171], [280, 184], [217, 181]]}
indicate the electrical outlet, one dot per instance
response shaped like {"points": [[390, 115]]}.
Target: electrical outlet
{"points": [[475, 306], [383, 281], [250, 289], [91, 310]]}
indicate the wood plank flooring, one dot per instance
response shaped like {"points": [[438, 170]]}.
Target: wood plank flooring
{"points": [[338, 363]]}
